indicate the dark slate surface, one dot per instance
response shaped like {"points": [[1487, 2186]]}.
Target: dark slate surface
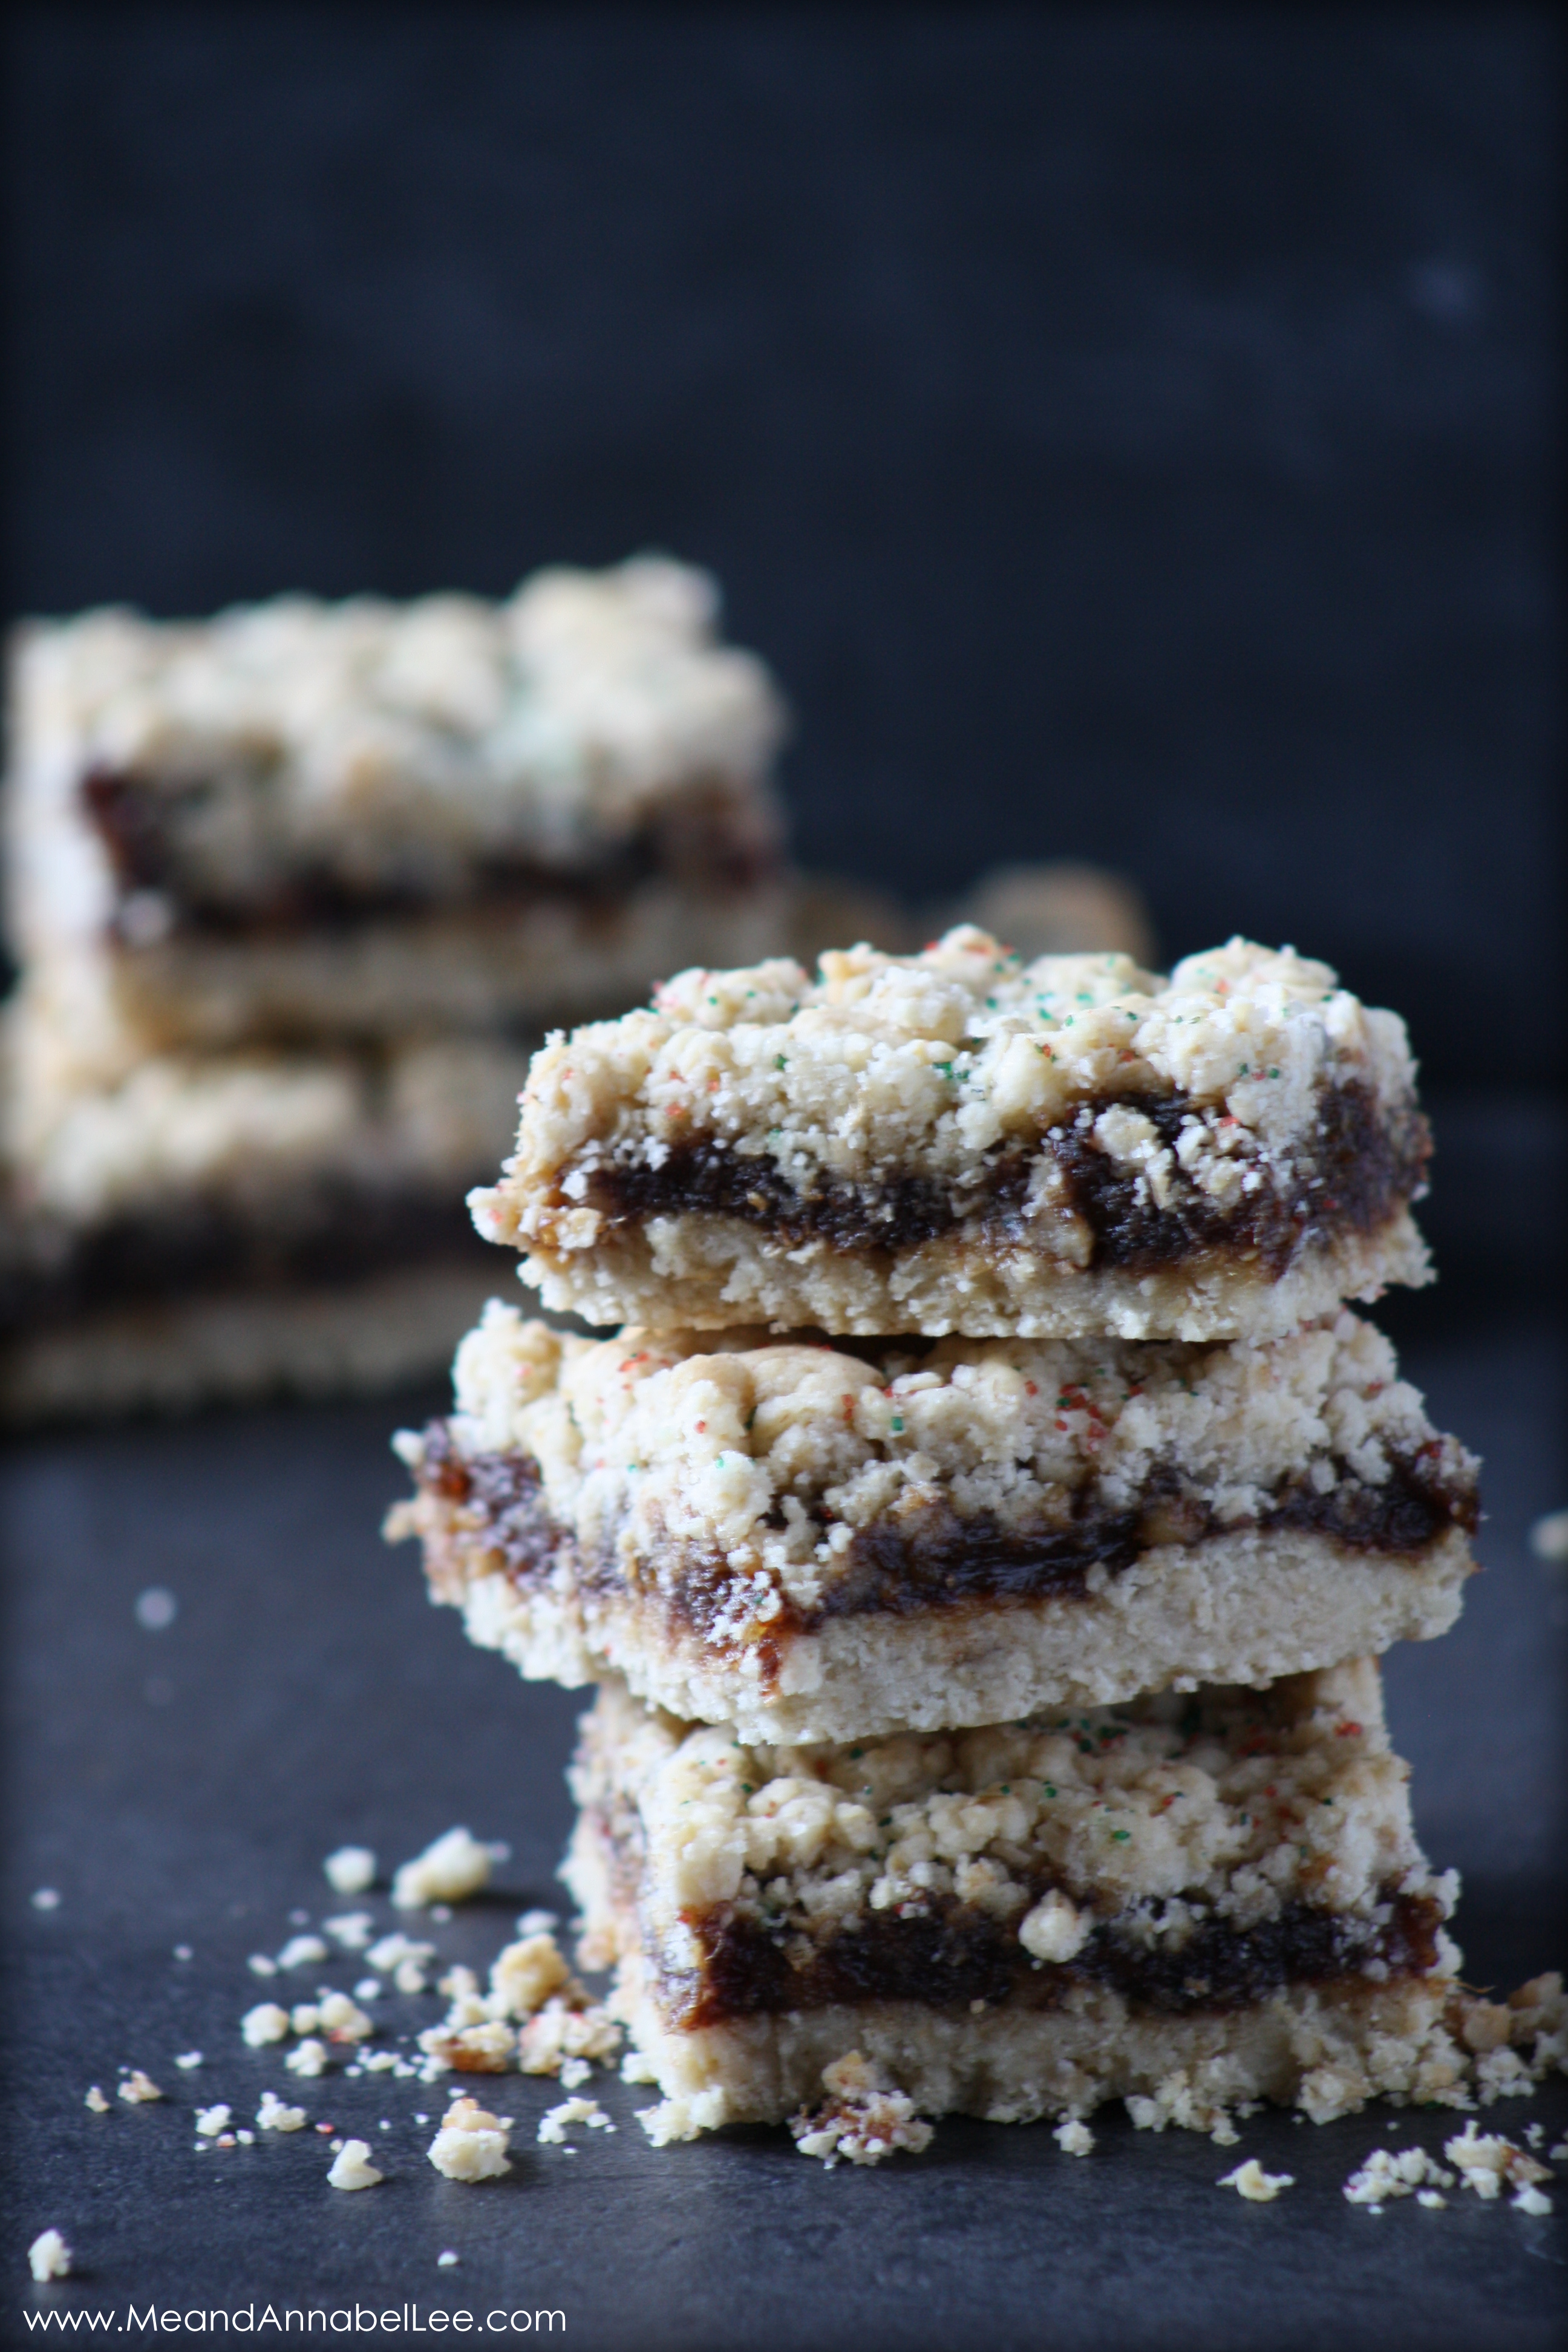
{"points": [[182, 1786], [1129, 432]]}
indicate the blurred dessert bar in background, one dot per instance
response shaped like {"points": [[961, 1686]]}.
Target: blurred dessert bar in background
{"points": [[294, 892]]}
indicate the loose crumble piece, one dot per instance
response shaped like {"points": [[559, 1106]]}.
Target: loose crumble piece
{"points": [[302, 1951], [96, 2101], [273, 2114], [451, 1868], [212, 2121], [472, 2144], [310, 2059], [1406, 2172], [137, 2087], [1074, 2139], [188, 2059], [1489, 2163], [351, 1931], [46, 1899], [351, 2167], [554, 2124], [1260, 2187], [864, 2118], [350, 1871], [49, 2257], [265, 2024]]}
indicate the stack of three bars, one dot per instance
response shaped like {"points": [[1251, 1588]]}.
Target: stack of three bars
{"points": [[987, 1663]]}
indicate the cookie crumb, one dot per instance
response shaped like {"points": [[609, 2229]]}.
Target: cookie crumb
{"points": [[452, 1867], [96, 2101], [188, 2059], [309, 2058], [351, 2167], [263, 2025], [445, 2261], [1489, 2163], [212, 2122], [472, 2144], [47, 1899], [1260, 2187], [1074, 2139], [49, 2257], [137, 2087], [351, 1870], [273, 2114], [555, 2122], [863, 2118]]}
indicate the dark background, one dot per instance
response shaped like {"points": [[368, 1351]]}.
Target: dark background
{"points": [[1129, 434]]}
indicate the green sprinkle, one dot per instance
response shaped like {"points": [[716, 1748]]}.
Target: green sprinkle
{"points": [[1121, 1836], [779, 1062], [1050, 1791], [1274, 1074], [897, 1425]]}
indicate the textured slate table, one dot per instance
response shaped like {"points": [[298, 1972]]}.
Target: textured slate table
{"points": [[181, 1786]]}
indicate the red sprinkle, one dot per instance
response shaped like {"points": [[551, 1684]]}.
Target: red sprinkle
{"points": [[1347, 1731]]}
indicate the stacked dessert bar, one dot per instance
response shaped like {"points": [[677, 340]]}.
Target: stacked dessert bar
{"points": [[982, 1534], [294, 893]]}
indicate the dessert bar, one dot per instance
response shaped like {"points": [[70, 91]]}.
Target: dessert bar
{"points": [[301, 818], [1191, 1901], [828, 1540], [956, 1141]]}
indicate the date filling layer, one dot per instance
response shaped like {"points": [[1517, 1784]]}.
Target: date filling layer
{"points": [[705, 843], [949, 1955], [1355, 1171], [931, 1558], [326, 1231]]}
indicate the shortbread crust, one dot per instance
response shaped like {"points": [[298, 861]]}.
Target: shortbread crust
{"points": [[813, 1543], [956, 1142]]}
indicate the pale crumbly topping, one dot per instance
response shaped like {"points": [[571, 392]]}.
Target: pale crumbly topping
{"points": [[384, 746], [554, 2124], [536, 2013], [656, 1443], [864, 2118], [138, 2087], [1160, 1814], [892, 1066], [1487, 2163]]}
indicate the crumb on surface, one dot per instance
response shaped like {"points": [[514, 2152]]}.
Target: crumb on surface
{"points": [[138, 2087], [188, 2059], [863, 2118], [445, 2260], [554, 2124], [472, 2144], [302, 1951], [263, 2025], [46, 1898], [351, 2167], [96, 2101], [451, 1867], [1549, 1538], [537, 1922], [48, 2257], [1073, 2138], [1489, 2163], [1405, 2172], [350, 1870], [1260, 2187], [212, 2121], [559, 2034], [274, 2114], [351, 1930], [308, 2059], [262, 1964]]}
